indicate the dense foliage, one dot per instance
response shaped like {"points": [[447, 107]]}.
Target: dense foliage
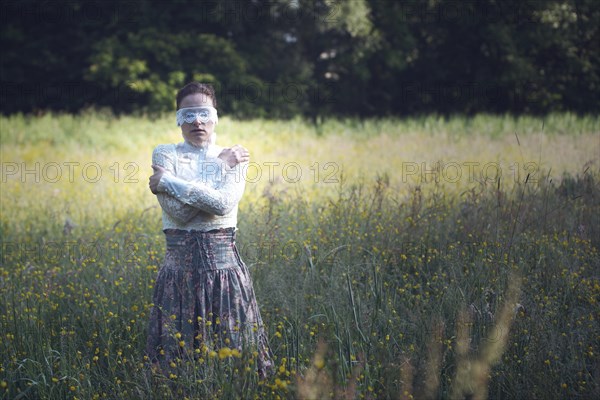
{"points": [[281, 58]]}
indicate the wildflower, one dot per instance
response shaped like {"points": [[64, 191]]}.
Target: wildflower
{"points": [[224, 352], [280, 384], [319, 363]]}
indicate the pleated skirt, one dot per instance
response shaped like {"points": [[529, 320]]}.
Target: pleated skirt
{"points": [[204, 300]]}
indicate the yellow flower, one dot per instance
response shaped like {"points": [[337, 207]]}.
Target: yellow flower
{"points": [[224, 352], [319, 363], [280, 384]]}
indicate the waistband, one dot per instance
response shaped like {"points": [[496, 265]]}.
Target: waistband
{"points": [[182, 232], [178, 237]]}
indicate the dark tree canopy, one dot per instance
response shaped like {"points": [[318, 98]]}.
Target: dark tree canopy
{"points": [[281, 58]]}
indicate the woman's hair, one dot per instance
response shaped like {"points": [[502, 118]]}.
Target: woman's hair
{"points": [[197, 87]]}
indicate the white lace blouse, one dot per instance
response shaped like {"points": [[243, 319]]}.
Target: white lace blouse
{"points": [[199, 191]]}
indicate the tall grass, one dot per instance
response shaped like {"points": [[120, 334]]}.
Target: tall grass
{"points": [[370, 287]]}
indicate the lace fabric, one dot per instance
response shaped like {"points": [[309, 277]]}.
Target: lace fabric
{"points": [[191, 114], [199, 191]]}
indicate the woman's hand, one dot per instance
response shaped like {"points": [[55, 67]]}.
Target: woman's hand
{"points": [[155, 178], [235, 155]]}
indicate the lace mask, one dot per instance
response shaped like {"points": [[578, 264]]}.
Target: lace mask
{"points": [[191, 114]]}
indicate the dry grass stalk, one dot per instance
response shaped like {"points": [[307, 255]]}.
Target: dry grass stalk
{"points": [[473, 373]]}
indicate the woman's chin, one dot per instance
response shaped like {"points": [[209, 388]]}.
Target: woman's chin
{"points": [[199, 140]]}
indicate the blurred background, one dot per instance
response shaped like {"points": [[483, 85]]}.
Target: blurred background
{"points": [[284, 58]]}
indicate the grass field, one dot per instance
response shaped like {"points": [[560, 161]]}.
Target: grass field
{"points": [[426, 257]]}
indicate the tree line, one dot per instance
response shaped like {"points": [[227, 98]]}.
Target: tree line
{"points": [[281, 58]]}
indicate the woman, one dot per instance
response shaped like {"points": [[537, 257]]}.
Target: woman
{"points": [[203, 297]]}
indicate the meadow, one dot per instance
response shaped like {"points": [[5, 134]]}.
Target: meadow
{"points": [[419, 258]]}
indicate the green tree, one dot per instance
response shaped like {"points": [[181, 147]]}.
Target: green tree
{"points": [[281, 58], [154, 64]]}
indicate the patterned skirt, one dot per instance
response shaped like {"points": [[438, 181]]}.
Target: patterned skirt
{"points": [[204, 300]]}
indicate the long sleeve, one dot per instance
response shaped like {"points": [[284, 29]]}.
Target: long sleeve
{"points": [[218, 201], [178, 210]]}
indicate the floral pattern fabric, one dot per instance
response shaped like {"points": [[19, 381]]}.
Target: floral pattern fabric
{"points": [[204, 298]]}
